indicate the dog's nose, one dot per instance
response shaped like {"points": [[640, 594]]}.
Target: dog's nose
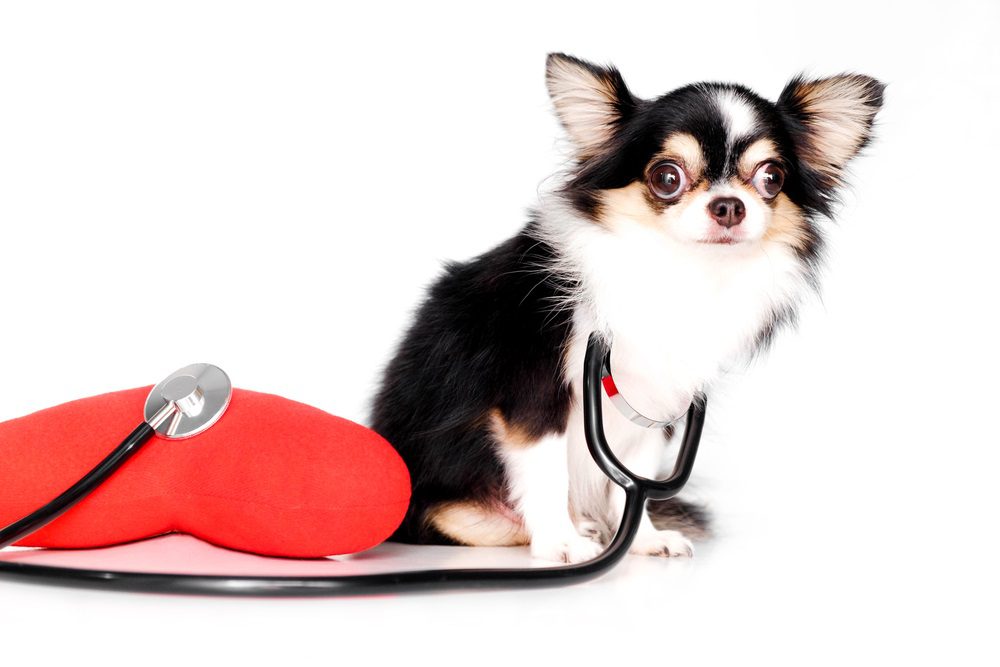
{"points": [[727, 211]]}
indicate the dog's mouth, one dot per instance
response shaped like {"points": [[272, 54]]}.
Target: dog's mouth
{"points": [[723, 239]]}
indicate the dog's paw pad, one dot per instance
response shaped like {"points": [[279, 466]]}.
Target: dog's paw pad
{"points": [[668, 543]]}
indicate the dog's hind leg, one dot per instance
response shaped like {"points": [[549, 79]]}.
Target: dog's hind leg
{"points": [[478, 524]]}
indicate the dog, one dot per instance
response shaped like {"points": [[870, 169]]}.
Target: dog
{"points": [[685, 233]]}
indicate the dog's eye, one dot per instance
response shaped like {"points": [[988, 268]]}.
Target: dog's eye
{"points": [[667, 180], [768, 180]]}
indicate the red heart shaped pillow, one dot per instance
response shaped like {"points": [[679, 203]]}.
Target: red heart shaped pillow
{"points": [[272, 477]]}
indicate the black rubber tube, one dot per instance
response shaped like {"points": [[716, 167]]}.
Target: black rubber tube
{"points": [[637, 490], [74, 494], [597, 357]]}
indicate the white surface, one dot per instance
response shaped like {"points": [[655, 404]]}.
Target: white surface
{"points": [[188, 555], [288, 177]]}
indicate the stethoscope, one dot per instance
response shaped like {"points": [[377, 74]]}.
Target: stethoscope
{"points": [[192, 399]]}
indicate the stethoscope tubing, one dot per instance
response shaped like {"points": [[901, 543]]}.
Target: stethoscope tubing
{"points": [[67, 499], [637, 490]]}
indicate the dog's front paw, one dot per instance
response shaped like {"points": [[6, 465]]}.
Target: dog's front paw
{"points": [[662, 543], [570, 548]]}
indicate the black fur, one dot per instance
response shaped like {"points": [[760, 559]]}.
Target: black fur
{"points": [[490, 335]]}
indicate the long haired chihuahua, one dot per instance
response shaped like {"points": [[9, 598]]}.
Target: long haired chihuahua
{"points": [[685, 233]]}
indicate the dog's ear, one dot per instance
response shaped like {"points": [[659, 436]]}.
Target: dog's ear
{"points": [[591, 101], [830, 121]]}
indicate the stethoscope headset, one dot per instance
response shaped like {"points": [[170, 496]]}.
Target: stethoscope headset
{"points": [[194, 398]]}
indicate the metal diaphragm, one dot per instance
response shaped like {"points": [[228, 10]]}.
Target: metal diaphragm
{"points": [[201, 394]]}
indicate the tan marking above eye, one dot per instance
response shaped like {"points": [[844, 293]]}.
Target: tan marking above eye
{"points": [[759, 151], [684, 148]]}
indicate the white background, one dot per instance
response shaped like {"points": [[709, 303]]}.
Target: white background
{"points": [[270, 186]]}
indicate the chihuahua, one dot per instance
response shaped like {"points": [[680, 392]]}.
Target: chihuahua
{"points": [[685, 232]]}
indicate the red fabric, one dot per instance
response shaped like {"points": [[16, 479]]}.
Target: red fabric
{"points": [[272, 477]]}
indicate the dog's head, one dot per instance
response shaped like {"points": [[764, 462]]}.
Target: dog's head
{"points": [[711, 164]]}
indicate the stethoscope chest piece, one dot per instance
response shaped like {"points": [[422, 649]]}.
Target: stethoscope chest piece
{"points": [[201, 394]]}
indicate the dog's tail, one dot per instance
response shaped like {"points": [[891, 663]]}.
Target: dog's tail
{"points": [[692, 519]]}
